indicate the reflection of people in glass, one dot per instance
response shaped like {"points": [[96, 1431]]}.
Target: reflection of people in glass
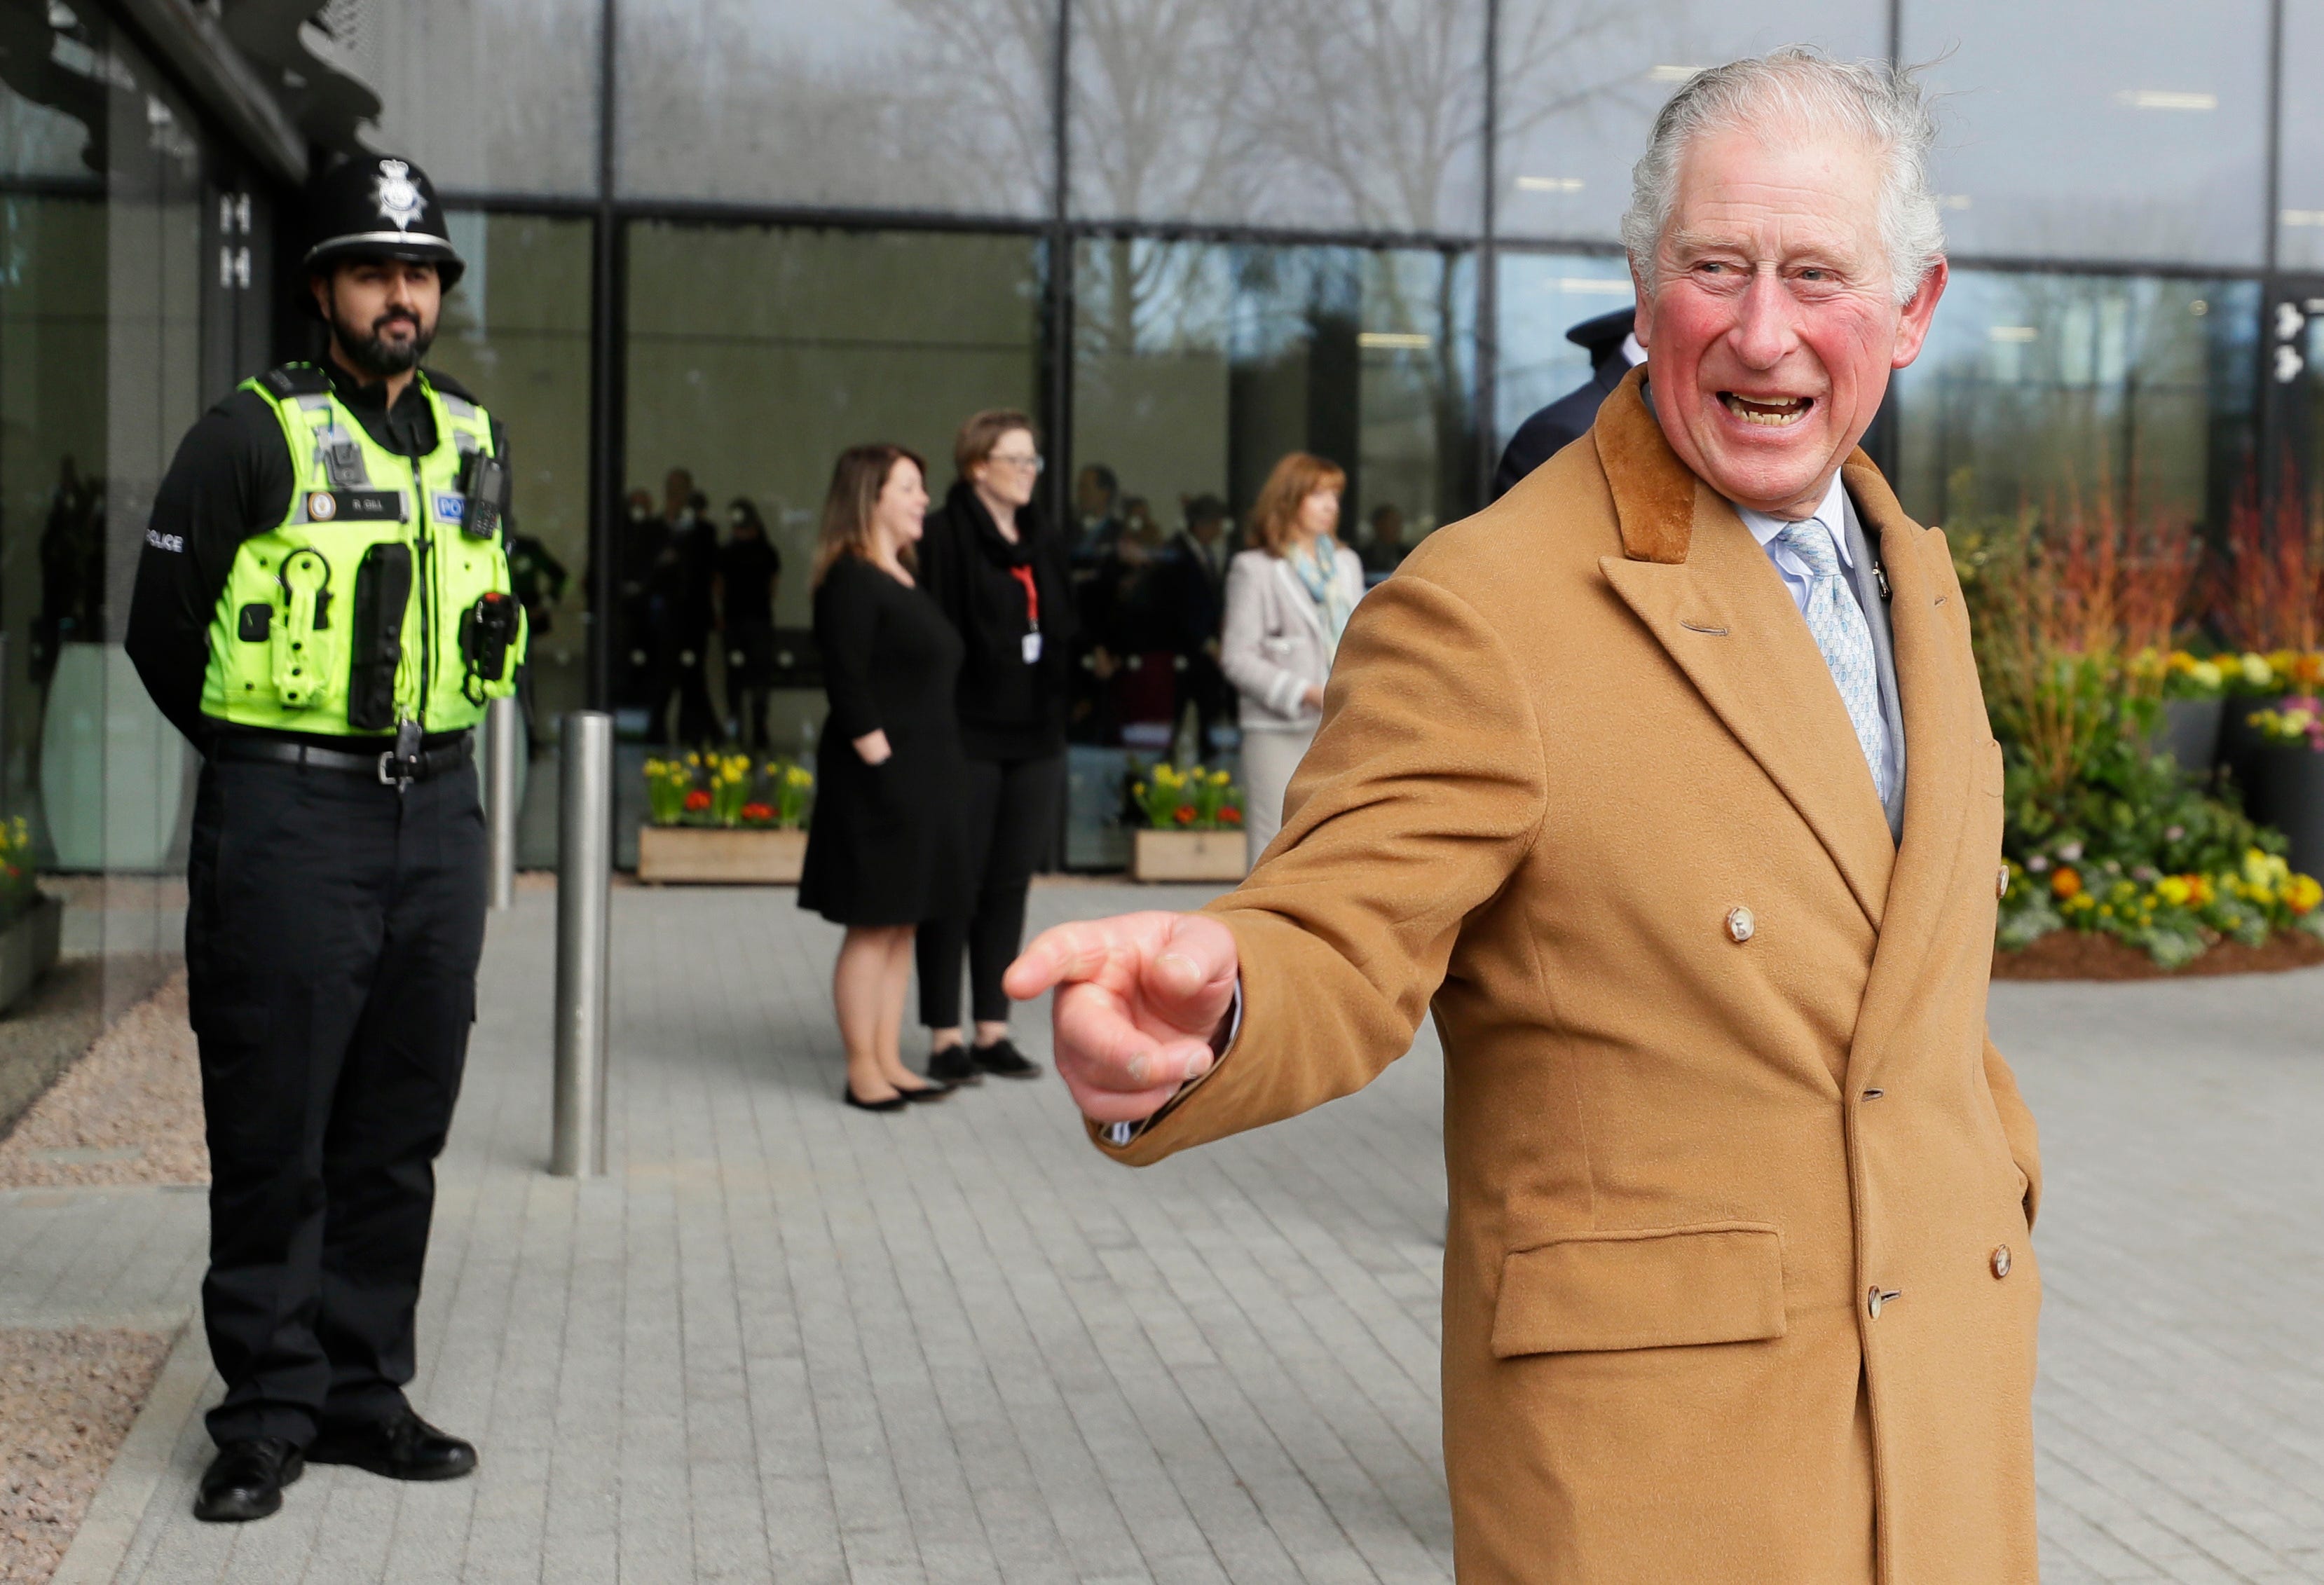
{"points": [[1288, 601], [998, 571], [635, 554], [1188, 586], [883, 846], [1386, 552], [72, 569], [1096, 490], [681, 611], [749, 570]]}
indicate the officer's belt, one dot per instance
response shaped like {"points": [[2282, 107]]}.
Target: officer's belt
{"points": [[384, 767]]}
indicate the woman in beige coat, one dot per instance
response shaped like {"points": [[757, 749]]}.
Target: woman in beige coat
{"points": [[1289, 600]]}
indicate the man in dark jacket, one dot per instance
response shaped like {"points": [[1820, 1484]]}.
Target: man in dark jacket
{"points": [[1614, 350], [1189, 596]]}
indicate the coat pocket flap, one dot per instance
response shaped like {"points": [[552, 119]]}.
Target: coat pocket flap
{"points": [[1720, 1282]]}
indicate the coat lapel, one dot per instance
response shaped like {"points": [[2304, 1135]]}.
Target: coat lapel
{"points": [[1296, 594], [1945, 732], [1705, 591]]}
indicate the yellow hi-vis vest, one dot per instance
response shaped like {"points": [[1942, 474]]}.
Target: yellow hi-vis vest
{"points": [[368, 605]]}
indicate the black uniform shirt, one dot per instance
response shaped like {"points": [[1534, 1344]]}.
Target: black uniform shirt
{"points": [[231, 481]]}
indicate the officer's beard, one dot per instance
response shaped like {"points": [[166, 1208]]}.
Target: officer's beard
{"points": [[372, 354]]}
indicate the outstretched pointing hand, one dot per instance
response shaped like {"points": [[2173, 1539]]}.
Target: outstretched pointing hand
{"points": [[1138, 997]]}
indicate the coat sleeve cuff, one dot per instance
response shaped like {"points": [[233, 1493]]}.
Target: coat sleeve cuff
{"points": [[1120, 1134]]}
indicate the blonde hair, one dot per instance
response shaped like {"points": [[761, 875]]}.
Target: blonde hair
{"points": [[852, 503], [1275, 518]]}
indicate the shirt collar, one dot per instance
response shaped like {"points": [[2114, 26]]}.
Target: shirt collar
{"points": [[1832, 512]]}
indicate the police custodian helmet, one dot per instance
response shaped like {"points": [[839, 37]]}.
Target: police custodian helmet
{"points": [[379, 207]]}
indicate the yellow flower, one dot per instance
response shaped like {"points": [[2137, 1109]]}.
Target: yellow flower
{"points": [[2207, 674], [2302, 893], [2174, 890], [2255, 671]]}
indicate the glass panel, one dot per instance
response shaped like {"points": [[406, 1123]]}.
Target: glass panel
{"points": [[928, 104], [2099, 129], [516, 332], [1196, 366], [102, 297], [1542, 297], [2300, 221], [2037, 387], [474, 90], [1340, 115], [756, 354], [1581, 81]]}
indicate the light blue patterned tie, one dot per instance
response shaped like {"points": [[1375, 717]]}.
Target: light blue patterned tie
{"points": [[1837, 625]]}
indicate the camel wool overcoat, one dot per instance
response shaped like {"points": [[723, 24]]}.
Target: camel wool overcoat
{"points": [[1738, 1288]]}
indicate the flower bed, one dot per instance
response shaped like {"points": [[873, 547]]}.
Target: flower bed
{"points": [[2119, 835], [31, 924]]}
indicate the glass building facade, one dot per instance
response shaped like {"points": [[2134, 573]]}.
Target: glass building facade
{"points": [[715, 241]]}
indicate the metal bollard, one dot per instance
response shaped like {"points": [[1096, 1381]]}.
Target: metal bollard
{"points": [[503, 741], [584, 879]]}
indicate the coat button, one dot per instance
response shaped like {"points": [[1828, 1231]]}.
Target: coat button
{"points": [[2001, 1261], [2001, 886], [1873, 1298], [1739, 923]]}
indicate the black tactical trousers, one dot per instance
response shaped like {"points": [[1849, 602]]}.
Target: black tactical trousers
{"points": [[332, 932]]}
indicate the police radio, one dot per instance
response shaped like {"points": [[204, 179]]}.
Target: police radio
{"points": [[484, 482]]}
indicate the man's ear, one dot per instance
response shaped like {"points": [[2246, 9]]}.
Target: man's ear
{"points": [[318, 283], [1912, 322], [1642, 318]]}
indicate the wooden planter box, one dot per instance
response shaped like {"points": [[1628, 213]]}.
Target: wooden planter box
{"points": [[719, 855], [28, 947], [1188, 855]]}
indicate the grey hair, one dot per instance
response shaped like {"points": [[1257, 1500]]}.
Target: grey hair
{"points": [[1874, 101]]}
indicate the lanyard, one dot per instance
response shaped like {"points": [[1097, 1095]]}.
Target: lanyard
{"points": [[1024, 575]]}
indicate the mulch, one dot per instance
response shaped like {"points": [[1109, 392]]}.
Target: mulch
{"points": [[68, 1397], [2076, 954]]}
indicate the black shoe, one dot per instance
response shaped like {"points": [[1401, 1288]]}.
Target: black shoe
{"points": [[246, 1479], [402, 1447], [954, 1066], [934, 1090], [1003, 1060], [896, 1103]]}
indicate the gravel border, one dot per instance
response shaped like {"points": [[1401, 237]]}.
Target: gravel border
{"points": [[128, 1112], [68, 1399]]}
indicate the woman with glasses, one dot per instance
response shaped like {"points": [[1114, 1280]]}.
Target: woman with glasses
{"points": [[998, 573], [1288, 603]]}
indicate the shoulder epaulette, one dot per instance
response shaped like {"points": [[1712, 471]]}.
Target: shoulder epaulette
{"points": [[296, 380]]}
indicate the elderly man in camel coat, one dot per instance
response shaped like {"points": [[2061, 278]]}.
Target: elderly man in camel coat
{"points": [[1666, 786]]}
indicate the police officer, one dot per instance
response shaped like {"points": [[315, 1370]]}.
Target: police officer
{"points": [[1612, 343], [323, 606]]}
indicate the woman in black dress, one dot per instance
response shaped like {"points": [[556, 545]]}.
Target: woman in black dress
{"points": [[883, 850]]}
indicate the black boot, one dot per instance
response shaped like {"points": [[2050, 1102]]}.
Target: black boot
{"points": [[402, 1447], [246, 1479]]}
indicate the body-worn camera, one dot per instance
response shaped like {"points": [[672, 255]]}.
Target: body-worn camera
{"points": [[488, 630], [485, 484]]}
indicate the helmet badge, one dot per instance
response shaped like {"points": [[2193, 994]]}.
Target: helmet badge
{"points": [[399, 196]]}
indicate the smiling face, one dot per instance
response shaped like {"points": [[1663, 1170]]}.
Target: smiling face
{"points": [[1772, 326], [899, 516]]}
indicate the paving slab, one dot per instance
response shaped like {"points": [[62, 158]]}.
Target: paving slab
{"points": [[785, 1340]]}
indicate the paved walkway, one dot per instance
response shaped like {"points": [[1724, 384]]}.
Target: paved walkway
{"points": [[788, 1341]]}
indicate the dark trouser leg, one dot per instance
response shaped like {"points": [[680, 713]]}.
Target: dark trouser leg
{"points": [[395, 1096], [289, 884], [1024, 825], [937, 950]]}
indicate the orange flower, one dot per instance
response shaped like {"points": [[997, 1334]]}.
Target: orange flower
{"points": [[2066, 884], [697, 800], [757, 814], [1231, 816], [1185, 816]]}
